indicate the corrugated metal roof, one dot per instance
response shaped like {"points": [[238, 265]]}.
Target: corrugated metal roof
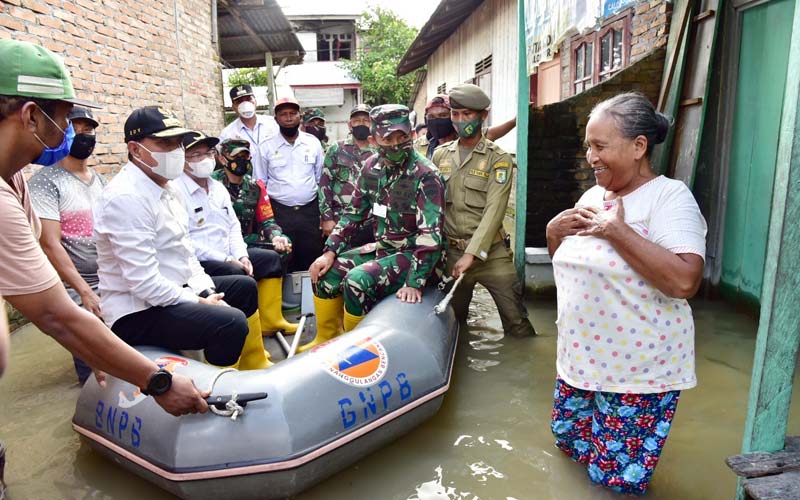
{"points": [[445, 20], [249, 29]]}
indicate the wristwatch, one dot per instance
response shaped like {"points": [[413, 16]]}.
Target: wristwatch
{"points": [[205, 293], [159, 383]]}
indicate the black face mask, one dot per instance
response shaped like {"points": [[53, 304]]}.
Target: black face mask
{"points": [[318, 132], [82, 146], [289, 131], [361, 132], [239, 166], [440, 127]]}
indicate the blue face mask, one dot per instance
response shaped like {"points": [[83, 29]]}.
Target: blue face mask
{"points": [[51, 156]]}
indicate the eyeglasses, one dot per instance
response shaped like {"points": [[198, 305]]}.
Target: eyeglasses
{"points": [[200, 156]]}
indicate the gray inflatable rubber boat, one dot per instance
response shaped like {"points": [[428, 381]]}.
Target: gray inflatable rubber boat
{"points": [[324, 409]]}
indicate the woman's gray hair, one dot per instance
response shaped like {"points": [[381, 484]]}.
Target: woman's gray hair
{"points": [[635, 115]]}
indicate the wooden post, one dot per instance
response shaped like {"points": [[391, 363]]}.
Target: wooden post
{"points": [[521, 208], [779, 325], [270, 83]]}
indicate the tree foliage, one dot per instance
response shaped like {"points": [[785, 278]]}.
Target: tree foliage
{"points": [[384, 38], [255, 77]]}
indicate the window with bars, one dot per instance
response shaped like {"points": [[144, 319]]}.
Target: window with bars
{"points": [[598, 56]]}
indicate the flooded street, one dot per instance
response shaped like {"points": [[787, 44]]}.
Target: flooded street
{"points": [[491, 439]]}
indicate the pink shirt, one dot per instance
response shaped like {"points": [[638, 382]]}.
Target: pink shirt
{"points": [[24, 269]]}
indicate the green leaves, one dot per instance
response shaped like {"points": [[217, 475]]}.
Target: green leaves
{"points": [[255, 77], [384, 39]]}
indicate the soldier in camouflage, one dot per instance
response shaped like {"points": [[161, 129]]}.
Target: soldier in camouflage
{"points": [[405, 194], [344, 161], [478, 177], [249, 197], [314, 124]]}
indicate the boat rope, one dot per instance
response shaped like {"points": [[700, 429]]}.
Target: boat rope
{"points": [[232, 408], [441, 306]]}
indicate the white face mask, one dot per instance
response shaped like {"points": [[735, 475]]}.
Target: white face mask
{"points": [[247, 109], [203, 168], [168, 165]]}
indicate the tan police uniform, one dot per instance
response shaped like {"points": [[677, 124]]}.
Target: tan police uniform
{"points": [[477, 191]]}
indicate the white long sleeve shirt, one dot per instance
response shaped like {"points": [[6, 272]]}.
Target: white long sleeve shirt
{"points": [[144, 255], [213, 226], [291, 171]]}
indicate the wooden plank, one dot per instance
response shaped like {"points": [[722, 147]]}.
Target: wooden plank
{"points": [[760, 464], [781, 487], [520, 211], [691, 102], [689, 120], [672, 76], [704, 15], [674, 56]]}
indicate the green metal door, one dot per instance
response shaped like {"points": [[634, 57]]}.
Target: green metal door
{"points": [[763, 59]]}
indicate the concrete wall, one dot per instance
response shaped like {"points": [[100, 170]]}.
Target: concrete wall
{"points": [[490, 30], [125, 54], [557, 171]]}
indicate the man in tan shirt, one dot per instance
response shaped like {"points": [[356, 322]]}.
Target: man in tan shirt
{"points": [[35, 97], [478, 177]]}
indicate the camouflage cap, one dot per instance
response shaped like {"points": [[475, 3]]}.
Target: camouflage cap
{"points": [[468, 96], [388, 118], [234, 146], [442, 100], [312, 113], [361, 108]]}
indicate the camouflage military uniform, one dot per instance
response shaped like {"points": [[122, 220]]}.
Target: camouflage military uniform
{"points": [[477, 196], [253, 209], [407, 201], [343, 162]]}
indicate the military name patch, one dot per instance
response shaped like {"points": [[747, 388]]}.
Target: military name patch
{"points": [[479, 173], [501, 175]]}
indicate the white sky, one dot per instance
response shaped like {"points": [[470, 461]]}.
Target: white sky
{"points": [[414, 12]]}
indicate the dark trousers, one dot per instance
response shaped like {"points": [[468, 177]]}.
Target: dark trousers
{"points": [[219, 331], [266, 264], [301, 225]]}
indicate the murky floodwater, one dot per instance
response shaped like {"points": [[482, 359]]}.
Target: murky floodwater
{"points": [[491, 439]]}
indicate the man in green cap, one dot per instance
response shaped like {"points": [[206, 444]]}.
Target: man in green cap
{"points": [[478, 177], [343, 163], [36, 95], [405, 194], [314, 124]]}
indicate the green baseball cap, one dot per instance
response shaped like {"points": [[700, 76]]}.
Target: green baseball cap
{"points": [[389, 118], [33, 71]]}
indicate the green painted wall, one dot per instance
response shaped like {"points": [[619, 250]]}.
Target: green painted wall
{"points": [[763, 60]]}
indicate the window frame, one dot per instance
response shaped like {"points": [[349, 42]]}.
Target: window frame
{"points": [[621, 21]]}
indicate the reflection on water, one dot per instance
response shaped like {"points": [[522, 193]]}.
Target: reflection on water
{"points": [[490, 441]]}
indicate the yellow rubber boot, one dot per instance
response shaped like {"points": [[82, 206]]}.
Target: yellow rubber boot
{"points": [[329, 320], [270, 297], [254, 356], [351, 320]]}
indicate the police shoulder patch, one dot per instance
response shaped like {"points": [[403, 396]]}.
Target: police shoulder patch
{"points": [[501, 175]]}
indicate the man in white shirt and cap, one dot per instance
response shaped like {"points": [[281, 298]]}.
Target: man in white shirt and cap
{"points": [[217, 235], [153, 290], [249, 125], [291, 164]]}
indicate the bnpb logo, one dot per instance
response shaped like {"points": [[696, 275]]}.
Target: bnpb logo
{"points": [[361, 364]]}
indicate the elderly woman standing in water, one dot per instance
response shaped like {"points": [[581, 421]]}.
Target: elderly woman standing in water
{"points": [[625, 259]]}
